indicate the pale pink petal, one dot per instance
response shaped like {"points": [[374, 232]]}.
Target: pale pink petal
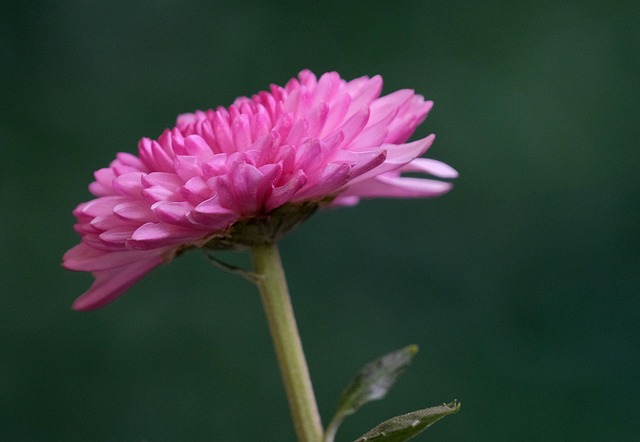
{"points": [[433, 167], [398, 187]]}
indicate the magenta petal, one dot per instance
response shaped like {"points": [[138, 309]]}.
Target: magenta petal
{"points": [[211, 214], [389, 103], [403, 153], [158, 193], [131, 160], [333, 178], [99, 207], [187, 166], [110, 284], [134, 211], [164, 179], [338, 110], [88, 259], [196, 146], [129, 184], [173, 212], [282, 194], [326, 87], [117, 235], [196, 190], [354, 125], [154, 155], [156, 235], [365, 93], [361, 162], [109, 222]]}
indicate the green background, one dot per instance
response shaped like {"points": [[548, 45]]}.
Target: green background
{"points": [[520, 286]]}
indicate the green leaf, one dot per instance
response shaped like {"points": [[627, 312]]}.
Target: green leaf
{"points": [[407, 426], [375, 379], [371, 383]]}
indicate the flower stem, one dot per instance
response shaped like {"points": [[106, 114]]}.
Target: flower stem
{"points": [[284, 332]]}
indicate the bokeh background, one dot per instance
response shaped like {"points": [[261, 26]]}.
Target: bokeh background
{"points": [[520, 286]]}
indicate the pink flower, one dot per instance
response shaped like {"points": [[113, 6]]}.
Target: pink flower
{"points": [[220, 178]]}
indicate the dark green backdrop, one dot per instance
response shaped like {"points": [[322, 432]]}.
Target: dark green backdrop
{"points": [[521, 286]]}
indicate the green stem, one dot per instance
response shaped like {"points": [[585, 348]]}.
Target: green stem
{"points": [[284, 331]]}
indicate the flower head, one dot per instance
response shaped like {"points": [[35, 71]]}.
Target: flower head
{"points": [[246, 174]]}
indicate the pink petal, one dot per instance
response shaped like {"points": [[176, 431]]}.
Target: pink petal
{"points": [[398, 187], [88, 259], [397, 156], [99, 207], [187, 166], [195, 190], [382, 106], [338, 110], [117, 235], [173, 212], [156, 235], [137, 211], [129, 184], [110, 284], [158, 193], [326, 88], [212, 214], [196, 146], [433, 167], [333, 177], [354, 125], [283, 194], [223, 133], [102, 185], [362, 95]]}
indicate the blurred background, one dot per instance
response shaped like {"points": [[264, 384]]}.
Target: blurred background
{"points": [[520, 286]]}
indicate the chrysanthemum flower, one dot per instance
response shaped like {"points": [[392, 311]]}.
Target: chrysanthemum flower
{"points": [[246, 174]]}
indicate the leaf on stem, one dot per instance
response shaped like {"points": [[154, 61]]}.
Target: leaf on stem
{"points": [[407, 426], [371, 383]]}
